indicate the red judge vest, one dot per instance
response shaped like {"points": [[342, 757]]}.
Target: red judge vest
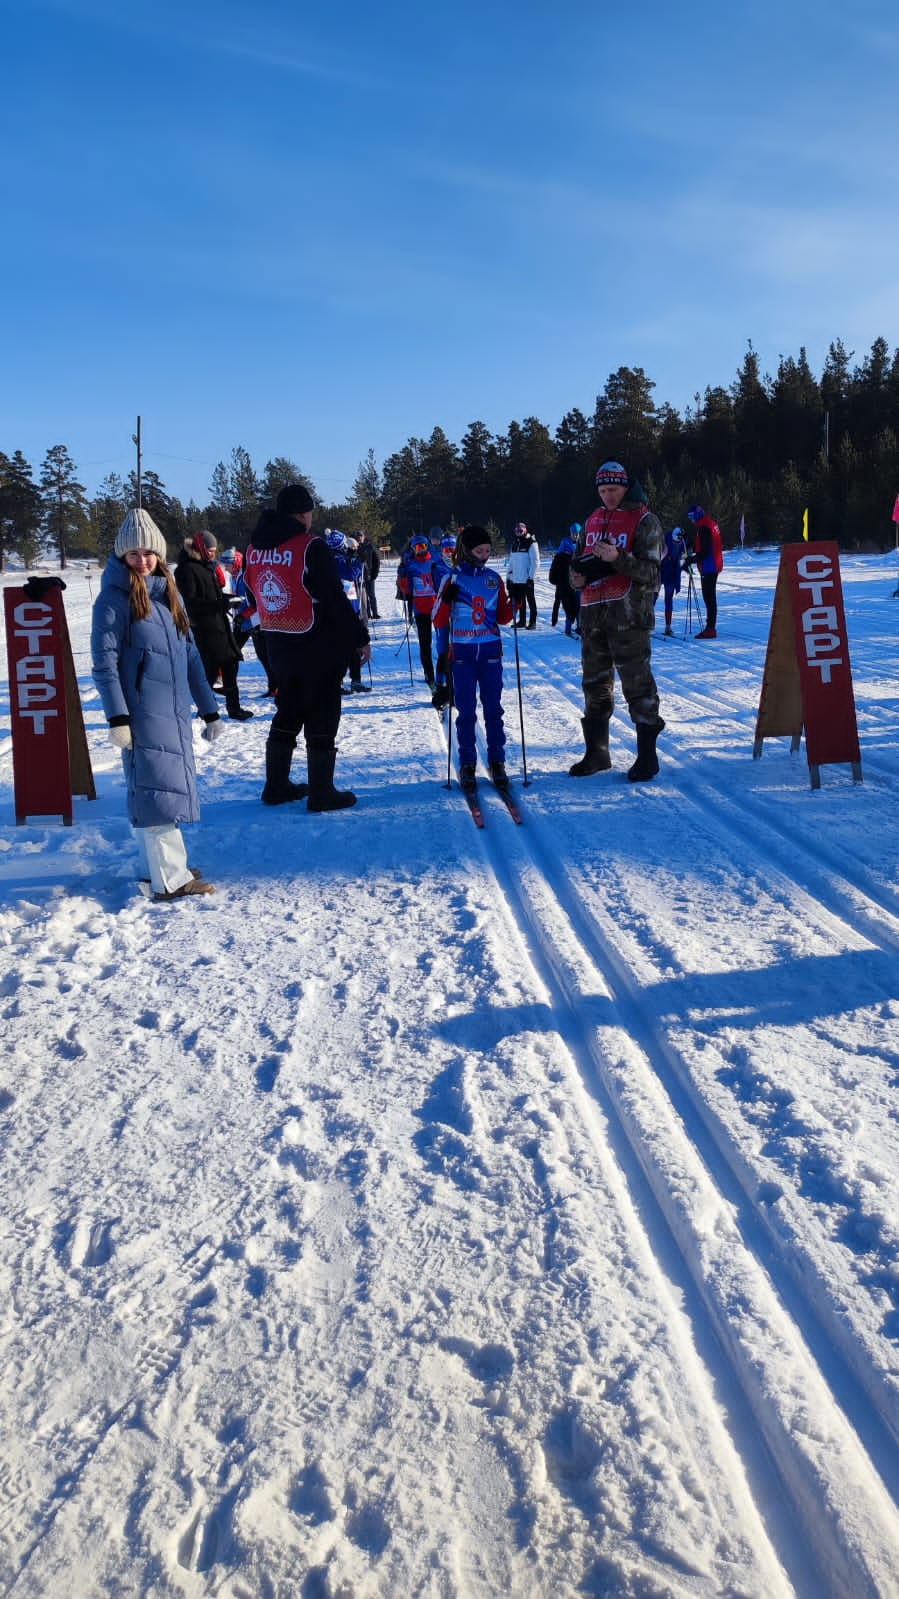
{"points": [[612, 527], [276, 578]]}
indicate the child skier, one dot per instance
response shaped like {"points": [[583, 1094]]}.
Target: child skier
{"points": [[473, 603], [415, 584]]}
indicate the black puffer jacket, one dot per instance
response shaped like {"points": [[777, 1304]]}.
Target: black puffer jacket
{"points": [[336, 629], [206, 607]]}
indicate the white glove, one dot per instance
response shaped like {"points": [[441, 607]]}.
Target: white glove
{"points": [[213, 730], [120, 737]]}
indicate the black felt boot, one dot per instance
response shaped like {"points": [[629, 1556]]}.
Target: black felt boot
{"points": [[323, 796], [597, 757], [279, 790], [647, 763]]}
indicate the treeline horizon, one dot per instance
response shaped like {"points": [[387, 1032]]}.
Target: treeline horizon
{"points": [[758, 453]]}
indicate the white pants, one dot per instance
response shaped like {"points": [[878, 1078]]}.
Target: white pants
{"points": [[163, 857]]}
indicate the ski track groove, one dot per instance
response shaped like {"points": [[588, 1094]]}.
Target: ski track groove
{"points": [[823, 1341], [873, 908]]}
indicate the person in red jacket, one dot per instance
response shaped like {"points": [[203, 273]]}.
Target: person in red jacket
{"points": [[709, 559]]}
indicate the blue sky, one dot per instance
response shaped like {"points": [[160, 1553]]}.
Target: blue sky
{"points": [[314, 229]]}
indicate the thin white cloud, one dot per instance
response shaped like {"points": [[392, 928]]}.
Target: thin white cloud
{"points": [[275, 49]]}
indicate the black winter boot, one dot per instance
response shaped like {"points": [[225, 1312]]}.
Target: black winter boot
{"points": [[468, 781], [596, 738], [499, 775], [323, 796], [647, 763], [236, 711], [278, 787]]}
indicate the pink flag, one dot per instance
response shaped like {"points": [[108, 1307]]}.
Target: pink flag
{"points": [[896, 510]]}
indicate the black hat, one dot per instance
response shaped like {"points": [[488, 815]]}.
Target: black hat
{"points": [[294, 499], [471, 537]]}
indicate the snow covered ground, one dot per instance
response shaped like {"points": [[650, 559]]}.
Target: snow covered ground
{"points": [[441, 1213]]}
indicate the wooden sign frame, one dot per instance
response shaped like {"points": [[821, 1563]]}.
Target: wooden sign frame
{"points": [[51, 760], [807, 682]]}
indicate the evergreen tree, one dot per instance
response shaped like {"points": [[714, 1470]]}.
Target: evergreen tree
{"points": [[572, 487], [20, 511], [534, 464], [219, 507], [108, 511], [473, 474], [246, 493], [166, 511], [439, 469], [364, 508], [716, 432], [278, 473], [796, 411], [367, 482], [870, 395], [402, 492], [625, 422], [752, 411], [63, 504], [835, 386]]}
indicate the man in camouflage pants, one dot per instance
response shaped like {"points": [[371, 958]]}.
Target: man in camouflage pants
{"points": [[616, 569]]}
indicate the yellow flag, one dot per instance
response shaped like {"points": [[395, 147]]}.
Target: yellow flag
{"points": [[805, 524]]}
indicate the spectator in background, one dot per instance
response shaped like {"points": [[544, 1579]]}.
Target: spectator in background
{"points": [[709, 557], [522, 566], [206, 604], [670, 572], [370, 561], [559, 574]]}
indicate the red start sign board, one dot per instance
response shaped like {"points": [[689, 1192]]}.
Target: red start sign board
{"points": [[808, 677], [50, 754]]}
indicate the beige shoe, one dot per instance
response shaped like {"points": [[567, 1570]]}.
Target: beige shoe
{"points": [[195, 886]]}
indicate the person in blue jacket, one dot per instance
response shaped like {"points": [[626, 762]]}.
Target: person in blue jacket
{"points": [[443, 563], [352, 576], [558, 576], [149, 675], [473, 603], [670, 572]]}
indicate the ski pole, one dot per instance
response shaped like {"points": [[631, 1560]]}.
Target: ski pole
{"points": [[408, 645], [524, 755], [405, 640]]}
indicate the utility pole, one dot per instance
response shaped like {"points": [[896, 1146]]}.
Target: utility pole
{"points": [[135, 439]]}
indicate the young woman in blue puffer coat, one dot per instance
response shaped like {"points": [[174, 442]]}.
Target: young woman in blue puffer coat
{"points": [[149, 674]]}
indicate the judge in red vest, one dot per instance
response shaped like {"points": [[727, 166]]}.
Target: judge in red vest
{"points": [[615, 567], [310, 629]]}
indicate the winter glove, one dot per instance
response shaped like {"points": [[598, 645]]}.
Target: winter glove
{"points": [[120, 737], [214, 729], [37, 587], [450, 593]]}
